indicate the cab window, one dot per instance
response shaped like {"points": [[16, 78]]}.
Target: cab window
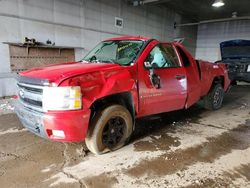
{"points": [[171, 53], [184, 57], [163, 57]]}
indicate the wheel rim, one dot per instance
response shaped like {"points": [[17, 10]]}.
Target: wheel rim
{"points": [[217, 97], [113, 132]]}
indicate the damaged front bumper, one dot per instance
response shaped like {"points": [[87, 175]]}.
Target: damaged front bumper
{"points": [[73, 124], [32, 120]]}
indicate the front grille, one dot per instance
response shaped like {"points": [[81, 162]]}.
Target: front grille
{"points": [[29, 88], [237, 68], [31, 96], [241, 68], [32, 102]]}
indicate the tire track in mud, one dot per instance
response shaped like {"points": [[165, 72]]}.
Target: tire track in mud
{"points": [[235, 139]]}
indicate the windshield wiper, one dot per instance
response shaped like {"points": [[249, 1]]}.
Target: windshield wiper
{"points": [[84, 61]]}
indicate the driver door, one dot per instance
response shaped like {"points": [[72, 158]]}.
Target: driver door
{"points": [[172, 91]]}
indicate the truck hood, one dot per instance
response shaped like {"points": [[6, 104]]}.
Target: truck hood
{"points": [[235, 49], [59, 72]]}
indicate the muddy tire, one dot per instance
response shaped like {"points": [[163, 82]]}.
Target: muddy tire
{"points": [[109, 129], [213, 100]]}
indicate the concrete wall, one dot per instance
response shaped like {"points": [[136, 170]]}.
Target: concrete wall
{"points": [[210, 35], [77, 23]]}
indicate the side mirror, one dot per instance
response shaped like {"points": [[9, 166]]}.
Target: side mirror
{"points": [[147, 65], [154, 78]]}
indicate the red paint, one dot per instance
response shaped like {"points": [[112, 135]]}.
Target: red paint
{"points": [[98, 80], [73, 123]]}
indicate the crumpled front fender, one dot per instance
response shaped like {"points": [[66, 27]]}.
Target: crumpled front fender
{"points": [[100, 84]]}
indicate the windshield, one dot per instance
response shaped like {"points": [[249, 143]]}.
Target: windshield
{"points": [[235, 52], [122, 52]]}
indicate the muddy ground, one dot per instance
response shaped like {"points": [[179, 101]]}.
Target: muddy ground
{"points": [[192, 148]]}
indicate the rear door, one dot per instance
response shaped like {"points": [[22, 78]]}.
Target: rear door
{"points": [[172, 93], [193, 75]]}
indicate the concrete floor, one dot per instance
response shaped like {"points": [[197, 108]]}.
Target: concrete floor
{"points": [[193, 148]]}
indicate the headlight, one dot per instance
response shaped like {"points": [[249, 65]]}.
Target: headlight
{"points": [[62, 98]]}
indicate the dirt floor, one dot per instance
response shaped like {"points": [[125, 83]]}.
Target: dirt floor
{"points": [[192, 148]]}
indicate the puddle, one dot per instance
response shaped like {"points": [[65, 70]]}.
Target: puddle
{"points": [[74, 153], [164, 142], [104, 181], [238, 138], [209, 183], [242, 171], [227, 181], [247, 122]]}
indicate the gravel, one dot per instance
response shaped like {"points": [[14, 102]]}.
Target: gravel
{"points": [[6, 106]]}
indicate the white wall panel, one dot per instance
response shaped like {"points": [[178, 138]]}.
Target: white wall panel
{"points": [[211, 35], [40, 31], [9, 31], [9, 6], [67, 12], [7, 85], [188, 33], [78, 23], [66, 36], [36, 9]]}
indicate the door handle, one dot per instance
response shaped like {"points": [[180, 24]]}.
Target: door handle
{"points": [[180, 76]]}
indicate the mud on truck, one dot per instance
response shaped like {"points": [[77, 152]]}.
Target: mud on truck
{"points": [[98, 98]]}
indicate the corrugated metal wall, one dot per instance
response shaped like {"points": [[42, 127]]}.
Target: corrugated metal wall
{"points": [[210, 35]]}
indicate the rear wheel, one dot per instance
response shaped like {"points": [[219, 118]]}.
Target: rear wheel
{"points": [[109, 130], [213, 100]]}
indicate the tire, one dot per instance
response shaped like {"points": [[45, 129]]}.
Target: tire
{"points": [[109, 130], [213, 100]]}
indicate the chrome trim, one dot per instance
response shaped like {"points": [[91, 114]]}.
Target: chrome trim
{"points": [[31, 95], [31, 86], [32, 80], [29, 98], [30, 106]]}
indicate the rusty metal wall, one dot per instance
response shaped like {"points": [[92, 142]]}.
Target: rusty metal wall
{"points": [[23, 58]]}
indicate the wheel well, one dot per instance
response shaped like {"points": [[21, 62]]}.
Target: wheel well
{"points": [[125, 99], [218, 79]]}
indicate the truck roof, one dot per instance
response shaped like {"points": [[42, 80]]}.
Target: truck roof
{"points": [[139, 38], [129, 38]]}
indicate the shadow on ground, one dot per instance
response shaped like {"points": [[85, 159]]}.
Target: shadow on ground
{"points": [[169, 121]]}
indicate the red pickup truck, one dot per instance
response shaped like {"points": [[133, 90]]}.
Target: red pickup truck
{"points": [[98, 98]]}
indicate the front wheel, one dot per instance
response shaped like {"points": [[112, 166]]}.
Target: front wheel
{"points": [[109, 130], [213, 100]]}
